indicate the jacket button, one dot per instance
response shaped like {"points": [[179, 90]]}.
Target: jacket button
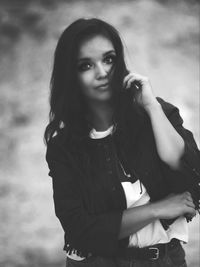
{"points": [[108, 159], [110, 172]]}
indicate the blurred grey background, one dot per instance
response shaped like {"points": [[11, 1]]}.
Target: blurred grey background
{"points": [[162, 42]]}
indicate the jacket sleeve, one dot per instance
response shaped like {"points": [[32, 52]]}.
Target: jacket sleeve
{"points": [[190, 160], [88, 233]]}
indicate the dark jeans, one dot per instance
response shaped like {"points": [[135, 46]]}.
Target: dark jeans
{"points": [[174, 257]]}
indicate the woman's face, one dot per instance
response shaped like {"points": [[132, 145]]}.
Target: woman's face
{"points": [[95, 62]]}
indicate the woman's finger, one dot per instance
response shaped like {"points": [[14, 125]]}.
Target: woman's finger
{"points": [[130, 81], [190, 204], [126, 79], [188, 196], [132, 75], [190, 211]]}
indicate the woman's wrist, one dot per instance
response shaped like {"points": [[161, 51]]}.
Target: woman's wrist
{"points": [[153, 107], [155, 211]]}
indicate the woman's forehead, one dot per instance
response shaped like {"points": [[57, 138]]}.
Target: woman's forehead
{"points": [[96, 45]]}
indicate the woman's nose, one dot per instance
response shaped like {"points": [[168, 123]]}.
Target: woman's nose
{"points": [[101, 71]]}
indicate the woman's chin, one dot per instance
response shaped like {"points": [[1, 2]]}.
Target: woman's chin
{"points": [[104, 96]]}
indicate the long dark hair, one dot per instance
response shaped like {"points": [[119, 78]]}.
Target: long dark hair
{"points": [[66, 103]]}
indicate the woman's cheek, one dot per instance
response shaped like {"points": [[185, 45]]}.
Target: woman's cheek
{"points": [[85, 79]]}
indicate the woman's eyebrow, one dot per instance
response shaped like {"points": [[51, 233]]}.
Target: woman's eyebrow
{"points": [[109, 52], [104, 54]]}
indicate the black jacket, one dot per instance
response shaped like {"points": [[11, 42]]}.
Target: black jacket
{"points": [[88, 196]]}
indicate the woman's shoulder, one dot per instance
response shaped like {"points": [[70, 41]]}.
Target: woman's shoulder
{"points": [[64, 144], [58, 143]]}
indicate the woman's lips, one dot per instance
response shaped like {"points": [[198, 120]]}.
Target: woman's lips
{"points": [[103, 86]]}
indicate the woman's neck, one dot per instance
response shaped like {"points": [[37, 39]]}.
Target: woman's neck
{"points": [[101, 116]]}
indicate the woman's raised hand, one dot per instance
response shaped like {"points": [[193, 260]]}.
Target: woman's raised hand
{"points": [[174, 206], [143, 93]]}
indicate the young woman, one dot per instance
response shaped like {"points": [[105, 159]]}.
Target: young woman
{"points": [[125, 171]]}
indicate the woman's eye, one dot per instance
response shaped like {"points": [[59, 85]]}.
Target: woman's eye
{"points": [[84, 66], [109, 59]]}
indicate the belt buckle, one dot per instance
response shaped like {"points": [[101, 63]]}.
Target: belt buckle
{"points": [[156, 254]]}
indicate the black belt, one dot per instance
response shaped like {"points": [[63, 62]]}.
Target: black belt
{"points": [[151, 253], [148, 253]]}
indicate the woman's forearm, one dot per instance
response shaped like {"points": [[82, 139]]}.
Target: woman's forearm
{"points": [[173, 206], [134, 219], [169, 143]]}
